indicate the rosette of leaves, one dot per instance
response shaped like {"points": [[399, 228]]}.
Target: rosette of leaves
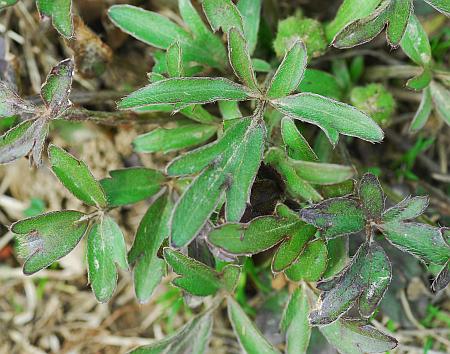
{"points": [[44, 239], [59, 12], [28, 137], [225, 169], [358, 22]]}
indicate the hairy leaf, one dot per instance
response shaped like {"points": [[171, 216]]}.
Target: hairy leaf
{"points": [[60, 12], [106, 248], [48, 237], [290, 72], [365, 279], [186, 91], [11, 104], [250, 11], [399, 13], [295, 322], [440, 5], [311, 263], [131, 185], [153, 229], [222, 14], [335, 217], [407, 209], [76, 177], [442, 279], [423, 112], [296, 145], [250, 338], [415, 42], [441, 99], [321, 83], [322, 173], [181, 137], [174, 60], [372, 196], [331, 116], [229, 167]]}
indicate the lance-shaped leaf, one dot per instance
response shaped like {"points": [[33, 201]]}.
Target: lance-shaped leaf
{"points": [[335, 217], [322, 173], [11, 104], [131, 185], [364, 280], [250, 11], [56, 89], [349, 11], [187, 91], [291, 248], [201, 32], [197, 278], [240, 59], [355, 337], [222, 14], [166, 140], [46, 238], [229, 167], [60, 12], [399, 13], [153, 229], [296, 145], [174, 60], [295, 322], [415, 42], [372, 196], [442, 279], [76, 177], [407, 209], [160, 32], [26, 138], [6, 3], [331, 116], [423, 112], [193, 337], [250, 338], [421, 240], [440, 5], [290, 72], [295, 186], [441, 99], [258, 235], [311, 263], [106, 249]]}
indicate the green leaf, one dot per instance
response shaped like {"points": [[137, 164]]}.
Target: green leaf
{"points": [[186, 91], [195, 277], [441, 99], [407, 209], [131, 185], [166, 140], [372, 196], [290, 72], [331, 116], [311, 263], [399, 13], [258, 235], [349, 11], [229, 110], [420, 81], [440, 5], [322, 173], [291, 247], [222, 14], [6, 3], [295, 186], [423, 112], [251, 12], [11, 104], [158, 31], [363, 30], [46, 238], [321, 83], [363, 282], [415, 42], [337, 256], [105, 249], [354, 337], [421, 240], [60, 12], [229, 167], [295, 322], [193, 338], [250, 338], [153, 229], [442, 279], [296, 145], [56, 89], [76, 177], [260, 65], [174, 60], [240, 59], [335, 217]]}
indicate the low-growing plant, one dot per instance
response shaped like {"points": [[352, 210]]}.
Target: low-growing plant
{"points": [[263, 121]]}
